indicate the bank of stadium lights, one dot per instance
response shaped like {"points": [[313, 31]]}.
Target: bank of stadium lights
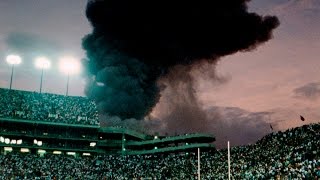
{"points": [[13, 60], [69, 66], [42, 63]]}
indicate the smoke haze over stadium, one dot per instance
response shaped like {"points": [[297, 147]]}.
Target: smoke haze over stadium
{"points": [[244, 90]]}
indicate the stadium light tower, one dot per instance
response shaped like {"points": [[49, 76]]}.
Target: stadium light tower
{"points": [[13, 60], [69, 66], [42, 63]]}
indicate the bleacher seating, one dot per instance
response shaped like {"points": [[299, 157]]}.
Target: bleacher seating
{"points": [[292, 154], [47, 107]]}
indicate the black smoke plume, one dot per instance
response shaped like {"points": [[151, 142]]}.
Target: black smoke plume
{"points": [[134, 43]]}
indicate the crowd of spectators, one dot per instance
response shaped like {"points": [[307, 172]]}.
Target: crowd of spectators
{"points": [[47, 107], [292, 154]]}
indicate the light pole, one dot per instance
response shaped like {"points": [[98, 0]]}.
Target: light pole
{"points": [[42, 63], [69, 66], [13, 60]]}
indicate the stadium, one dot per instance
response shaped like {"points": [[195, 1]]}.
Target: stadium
{"points": [[156, 97], [49, 136]]}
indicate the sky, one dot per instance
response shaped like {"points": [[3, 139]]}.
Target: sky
{"points": [[273, 84]]}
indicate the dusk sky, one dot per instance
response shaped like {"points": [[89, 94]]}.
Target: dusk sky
{"points": [[273, 84]]}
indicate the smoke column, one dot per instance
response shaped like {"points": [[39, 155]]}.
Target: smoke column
{"points": [[135, 43]]}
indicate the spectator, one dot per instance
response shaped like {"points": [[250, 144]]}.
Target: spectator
{"points": [[293, 154], [47, 107]]}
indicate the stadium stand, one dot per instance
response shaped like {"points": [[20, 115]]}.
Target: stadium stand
{"points": [[293, 154], [47, 107], [74, 146]]}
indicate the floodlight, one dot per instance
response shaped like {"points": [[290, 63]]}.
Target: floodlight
{"points": [[13, 59], [93, 144], [86, 154], [39, 143], [1, 139], [42, 63], [69, 65], [35, 141], [7, 140]]}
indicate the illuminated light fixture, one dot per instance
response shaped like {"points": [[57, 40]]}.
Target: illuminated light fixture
{"points": [[41, 151], [100, 137], [1, 139], [124, 149], [19, 141], [42, 63], [155, 137], [24, 150], [124, 139], [93, 144], [35, 141], [71, 153], [39, 143], [13, 141], [187, 144], [56, 152], [13, 60], [86, 154], [69, 66], [7, 140], [8, 149], [156, 147]]}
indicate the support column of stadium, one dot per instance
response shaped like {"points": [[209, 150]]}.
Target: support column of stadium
{"points": [[199, 176], [229, 160], [12, 68], [13, 60], [41, 80]]}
